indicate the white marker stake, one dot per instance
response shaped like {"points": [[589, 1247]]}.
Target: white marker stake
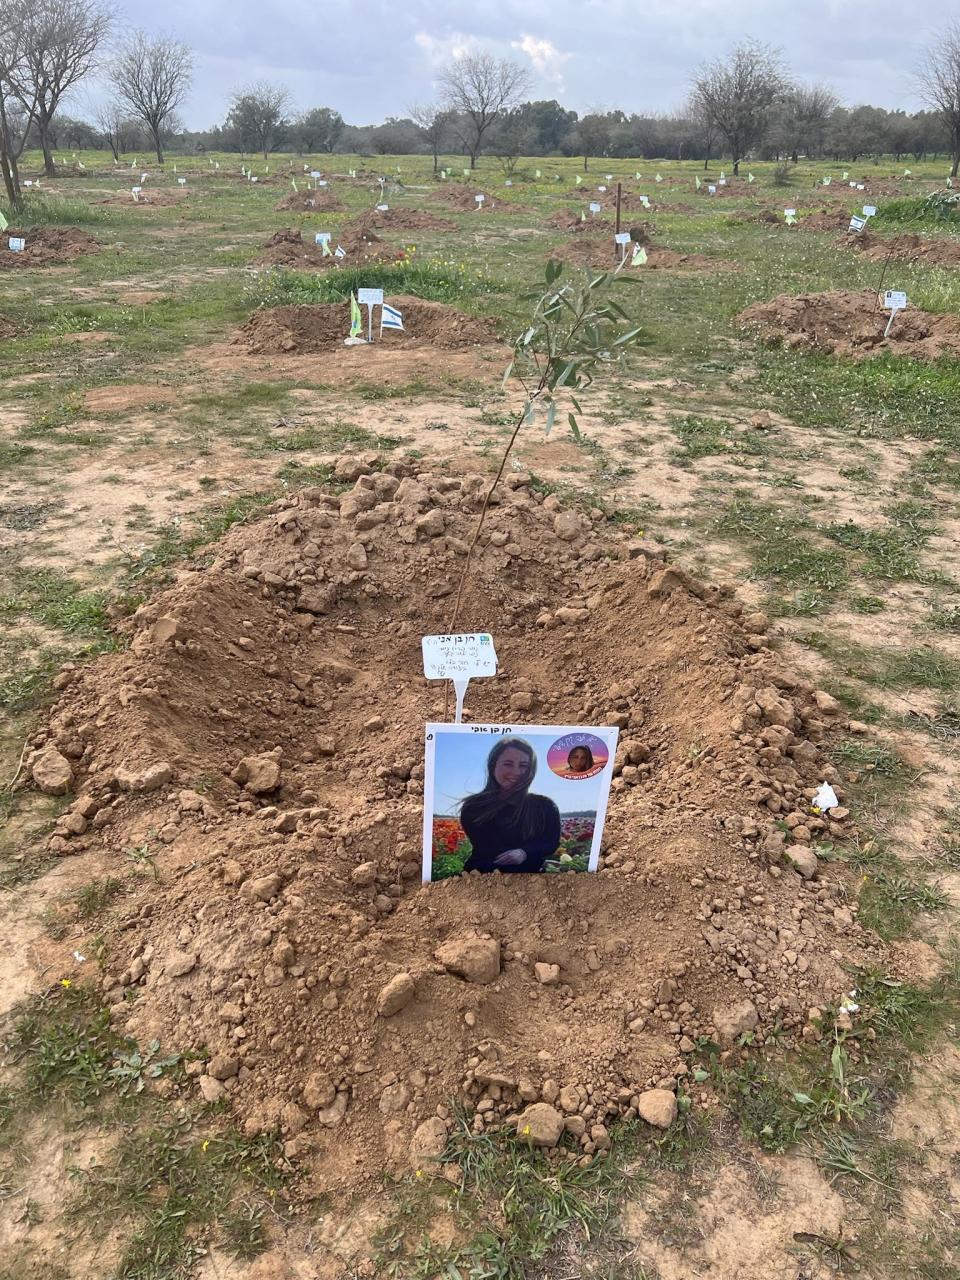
{"points": [[869, 210], [893, 301], [459, 658], [370, 298], [790, 216], [623, 239]]}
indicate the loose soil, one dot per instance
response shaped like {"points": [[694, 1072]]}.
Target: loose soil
{"points": [[287, 894], [851, 323], [310, 202], [148, 199], [287, 248], [600, 252], [46, 245], [299, 329], [463, 198], [940, 251], [7, 328], [399, 220]]}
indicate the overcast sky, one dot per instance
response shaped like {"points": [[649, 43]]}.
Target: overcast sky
{"points": [[374, 58]]}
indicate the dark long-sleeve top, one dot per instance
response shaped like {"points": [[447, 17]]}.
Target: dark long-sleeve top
{"points": [[493, 837]]}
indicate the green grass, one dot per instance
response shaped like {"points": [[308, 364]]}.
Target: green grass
{"points": [[515, 1206], [433, 280], [46, 210], [939, 211], [55, 600], [885, 398], [780, 548]]}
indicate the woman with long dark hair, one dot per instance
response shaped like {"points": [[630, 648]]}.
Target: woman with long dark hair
{"points": [[509, 829]]}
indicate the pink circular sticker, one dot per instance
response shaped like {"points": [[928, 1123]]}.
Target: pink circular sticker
{"points": [[578, 755]]}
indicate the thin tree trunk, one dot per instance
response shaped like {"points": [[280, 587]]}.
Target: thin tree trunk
{"points": [[157, 146], [49, 165], [8, 162], [736, 168], [956, 163]]}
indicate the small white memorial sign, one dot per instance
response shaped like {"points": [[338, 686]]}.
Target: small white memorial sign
{"points": [[595, 207], [370, 297], [869, 210], [459, 657], [16, 244]]}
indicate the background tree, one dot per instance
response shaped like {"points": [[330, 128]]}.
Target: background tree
{"points": [[117, 129], [433, 121], [591, 137], [480, 88], [258, 116], [152, 77], [510, 138], [548, 124], [939, 85], [318, 129], [799, 122], [59, 41], [735, 94]]}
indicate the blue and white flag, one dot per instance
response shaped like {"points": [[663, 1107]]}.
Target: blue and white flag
{"points": [[390, 318]]}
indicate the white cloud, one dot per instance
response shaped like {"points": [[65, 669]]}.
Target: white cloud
{"points": [[547, 59], [440, 49]]}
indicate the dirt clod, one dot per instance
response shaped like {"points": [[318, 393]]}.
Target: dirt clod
{"points": [[658, 1107]]}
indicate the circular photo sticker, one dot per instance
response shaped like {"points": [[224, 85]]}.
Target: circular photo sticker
{"points": [[578, 755]]}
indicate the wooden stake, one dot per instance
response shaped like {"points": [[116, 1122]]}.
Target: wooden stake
{"points": [[619, 197]]}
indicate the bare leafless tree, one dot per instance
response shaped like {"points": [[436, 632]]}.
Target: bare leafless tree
{"points": [[115, 124], [260, 116], [151, 78], [59, 41], [433, 121], [736, 93], [939, 83], [479, 89]]}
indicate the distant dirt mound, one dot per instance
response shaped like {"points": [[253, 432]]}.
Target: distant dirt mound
{"points": [[849, 323], [464, 198], [261, 739], [148, 198], [287, 248], [400, 220], [299, 329], [937, 251], [569, 220], [825, 220], [310, 202], [46, 245], [600, 253], [7, 328]]}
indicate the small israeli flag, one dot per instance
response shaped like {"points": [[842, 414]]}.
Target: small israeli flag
{"points": [[390, 318], [339, 252]]}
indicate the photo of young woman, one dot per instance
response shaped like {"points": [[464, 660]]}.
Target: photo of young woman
{"points": [[508, 828], [497, 801]]}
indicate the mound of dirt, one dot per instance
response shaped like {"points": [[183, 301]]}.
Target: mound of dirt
{"points": [[464, 198], [939, 251], [310, 202], [46, 245], [301, 329], [7, 328], [825, 220], [148, 199], [589, 252], [287, 248], [401, 220], [851, 323], [263, 736], [568, 220]]}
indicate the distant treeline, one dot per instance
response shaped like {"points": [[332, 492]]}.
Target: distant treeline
{"points": [[545, 129]]}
